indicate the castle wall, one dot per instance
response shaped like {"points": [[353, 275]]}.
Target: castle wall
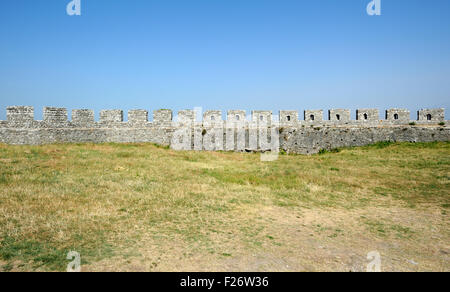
{"points": [[237, 133], [309, 141]]}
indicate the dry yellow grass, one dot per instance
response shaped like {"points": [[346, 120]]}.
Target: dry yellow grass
{"points": [[139, 207]]}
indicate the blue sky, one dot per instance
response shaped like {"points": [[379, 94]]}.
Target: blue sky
{"points": [[225, 54]]}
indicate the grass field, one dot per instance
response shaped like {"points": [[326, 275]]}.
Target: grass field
{"points": [[140, 207]]}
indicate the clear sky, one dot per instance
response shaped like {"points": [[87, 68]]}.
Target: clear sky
{"points": [[225, 54]]}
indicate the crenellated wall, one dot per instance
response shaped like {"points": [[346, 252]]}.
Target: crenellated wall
{"points": [[236, 133]]}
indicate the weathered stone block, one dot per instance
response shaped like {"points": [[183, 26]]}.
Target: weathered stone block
{"points": [[83, 117], [186, 116], [212, 116], [20, 115], [431, 115], [137, 116], [339, 115], [162, 116], [313, 115], [111, 116], [236, 116], [57, 116], [398, 115], [367, 115], [288, 117], [262, 117]]}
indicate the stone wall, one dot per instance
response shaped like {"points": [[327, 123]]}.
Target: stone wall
{"points": [[309, 141], [237, 133]]}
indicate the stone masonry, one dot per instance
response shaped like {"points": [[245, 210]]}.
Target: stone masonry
{"points": [[236, 133]]}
